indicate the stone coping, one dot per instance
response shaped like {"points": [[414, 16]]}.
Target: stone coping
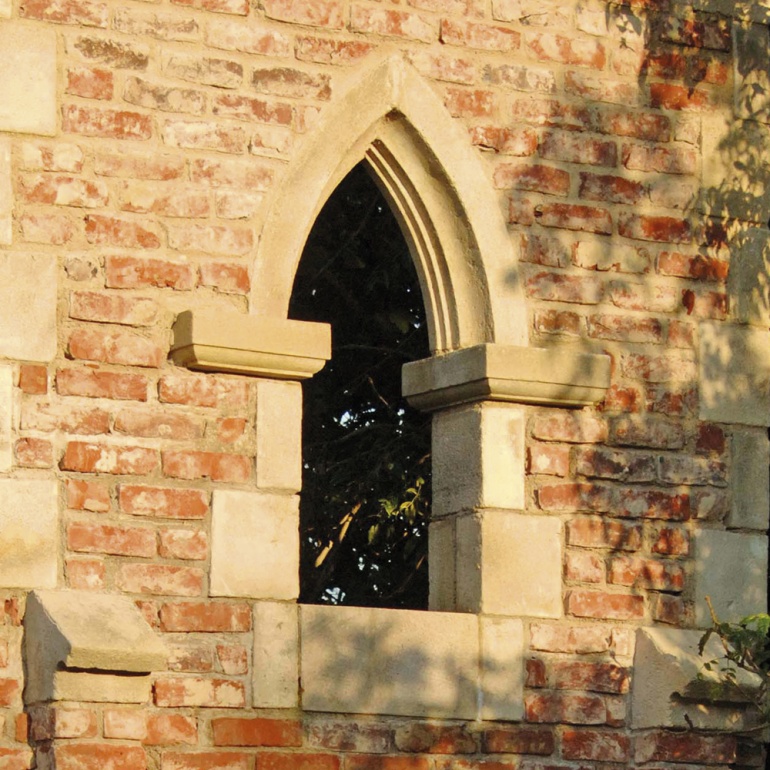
{"points": [[254, 345], [491, 372]]}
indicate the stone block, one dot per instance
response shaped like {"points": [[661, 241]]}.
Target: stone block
{"points": [[509, 564], [28, 306], [279, 435], [478, 458], [27, 79], [502, 668], [750, 480], [364, 660], [6, 193], [254, 545], [734, 373], [752, 81], [94, 688], [671, 688], [442, 551], [276, 655], [5, 9], [6, 418], [29, 533], [731, 569]]}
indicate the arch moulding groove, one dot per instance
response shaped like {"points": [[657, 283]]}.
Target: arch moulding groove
{"points": [[391, 119]]}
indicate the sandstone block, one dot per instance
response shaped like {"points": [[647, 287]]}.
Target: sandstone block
{"points": [[442, 550], [6, 193], [254, 545], [372, 661], [502, 669], [6, 417], [276, 655], [28, 306], [279, 435], [750, 477], [29, 536], [27, 79], [731, 569]]}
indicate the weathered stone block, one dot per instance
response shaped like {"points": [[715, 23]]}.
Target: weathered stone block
{"points": [[28, 306], [27, 79], [29, 533], [372, 661], [750, 480], [6, 193], [254, 545], [671, 688], [276, 655], [279, 435], [734, 374], [731, 569], [478, 458], [509, 564], [442, 551], [502, 668]]}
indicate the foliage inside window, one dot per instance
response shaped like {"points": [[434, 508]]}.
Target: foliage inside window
{"points": [[366, 453]]}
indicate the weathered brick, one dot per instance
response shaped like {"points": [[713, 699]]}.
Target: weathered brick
{"points": [[291, 83], [228, 277], [563, 287], [90, 756], [548, 460], [518, 740], [153, 166], [202, 390], [113, 231], [625, 328], [523, 78], [256, 731], [210, 617], [93, 383], [139, 273], [603, 746], [532, 176], [222, 73], [393, 23], [551, 112], [185, 544], [235, 36], [152, 423], [699, 267], [651, 503], [48, 723], [252, 176], [236, 7], [610, 189], [570, 216], [160, 579], [670, 96], [113, 53], [485, 37], [104, 307], [602, 605], [86, 537], [171, 729], [90, 82], [85, 457], [573, 496], [601, 89], [338, 735], [85, 574], [144, 93], [660, 746], [233, 658], [464, 103], [206, 760], [650, 126], [33, 453], [567, 50], [105, 123], [605, 463], [115, 347], [198, 691], [45, 156], [565, 708], [212, 465], [569, 147], [126, 724], [604, 533], [584, 567], [212, 239], [158, 25], [86, 495], [573, 427], [421, 737], [648, 431], [317, 13], [665, 160], [521, 141], [163, 502], [54, 228], [559, 322], [85, 13]]}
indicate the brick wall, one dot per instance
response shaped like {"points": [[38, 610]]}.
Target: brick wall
{"points": [[614, 137]]}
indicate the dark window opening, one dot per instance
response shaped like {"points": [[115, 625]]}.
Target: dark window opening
{"points": [[365, 496]]}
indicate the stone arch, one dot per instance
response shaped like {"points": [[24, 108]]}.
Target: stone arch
{"points": [[393, 120]]}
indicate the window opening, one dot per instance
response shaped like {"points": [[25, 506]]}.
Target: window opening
{"points": [[365, 496]]}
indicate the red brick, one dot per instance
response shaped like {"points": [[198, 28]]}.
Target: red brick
{"points": [[565, 708], [62, 417], [16, 759], [105, 307], [33, 453], [113, 53], [212, 465], [567, 50], [181, 692], [709, 304], [111, 231], [186, 544], [93, 383], [535, 675], [634, 571], [154, 423], [201, 135], [54, 722], [463, 103], [135, 165], [85, 574], [683, 469], [535, 177], [63, 190], [667, 367], [650, 126], [570, 147], [572, 427], [485, 37], [85, 457], [696, 266], [518, 740], [583, 567], [550, 112], [212, 239], [663, 746], [51, 156], [570, 216], [652, 504], [316, 13], [625, 328], [363, 762], [167, 200], [547, 249], [227, 277], [243, 731], [85, 537], [170, 729], [160, 579], [649, 430], [558, 322], [9, 692], [55, 229], [521, 141], [600, 605], [597, 745], [393, 23], [144, 93], [328, 51], [598, 533], [222, 73], [521, 211], [243, 108], [163, 502], [33, 379], [191, 657], [291, 83], [548, 460], [233, 658], [138, 273], [425, 738], [235, 7], [618, 465], [670, 609], [81, 12], [230, 429], [98, 756], [610, 189], [672, 541], [575, 497], [371, 738], [563, 287], [105, 123], [601, 89], [83, 495], [208, 617], [162, 27], [669, 96], [206, 760], [90, 82], [699, 31], [664, 160], [622, 399], [115, 347]]}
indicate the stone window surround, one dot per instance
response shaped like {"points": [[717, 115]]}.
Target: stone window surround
{"points": [[466, 660]]}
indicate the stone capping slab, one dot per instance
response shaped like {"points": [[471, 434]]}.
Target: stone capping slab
{"points": [[671, 688], [83, 633], [364, 660], [491, 372], [249, 344]]}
